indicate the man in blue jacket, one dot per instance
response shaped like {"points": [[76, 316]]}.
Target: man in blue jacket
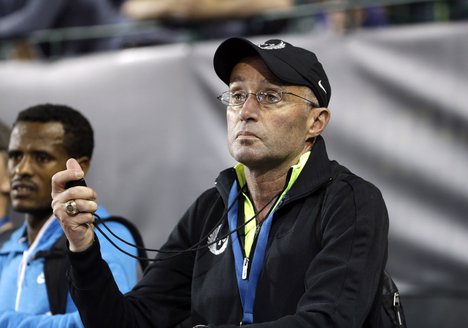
{"points": [[286, 237], [42, 139]]}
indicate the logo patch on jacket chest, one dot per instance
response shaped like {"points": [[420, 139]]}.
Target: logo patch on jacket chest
{"points": [[40, 278], [220, 245]]}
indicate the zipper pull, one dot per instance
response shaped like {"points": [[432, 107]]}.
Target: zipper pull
{"points": [[396, 306], [245, 268]]}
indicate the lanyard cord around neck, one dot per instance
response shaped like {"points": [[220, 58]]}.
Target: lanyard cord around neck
{"points": [[247, 273]]}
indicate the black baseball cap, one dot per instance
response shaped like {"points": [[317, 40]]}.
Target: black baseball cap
{"points": [[290, 64]]}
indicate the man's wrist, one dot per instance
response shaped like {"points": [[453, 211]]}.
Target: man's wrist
{"points": [[86, 266], [83, 245]]}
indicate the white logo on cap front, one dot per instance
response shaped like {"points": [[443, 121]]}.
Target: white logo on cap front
{"points": [[272, 46]]}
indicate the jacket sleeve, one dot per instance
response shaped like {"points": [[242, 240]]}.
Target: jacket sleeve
{"points": [[12, 319], [343, 279], [161, 298], [124, 268]]}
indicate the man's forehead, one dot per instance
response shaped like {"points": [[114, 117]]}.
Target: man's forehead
{"points": [[238, 78], [248, 65], [37, 133], [36, 128]]}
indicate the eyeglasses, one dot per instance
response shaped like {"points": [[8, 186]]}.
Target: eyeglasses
{"points": [[238, 98]]}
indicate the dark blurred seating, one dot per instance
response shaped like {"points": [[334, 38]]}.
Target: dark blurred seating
{"points": [[19, 19]]}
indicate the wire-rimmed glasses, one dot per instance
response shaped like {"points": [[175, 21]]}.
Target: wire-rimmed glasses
{"points": [[271, 97]]}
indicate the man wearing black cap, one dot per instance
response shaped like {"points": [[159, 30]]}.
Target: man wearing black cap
{"points": [[286, 238]]}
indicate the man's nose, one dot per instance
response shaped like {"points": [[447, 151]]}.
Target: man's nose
{"points": [[24, 166], [250, 109]]}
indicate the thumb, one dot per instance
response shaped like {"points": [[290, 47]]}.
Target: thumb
{"points": [[73, 172], [73, 165]]}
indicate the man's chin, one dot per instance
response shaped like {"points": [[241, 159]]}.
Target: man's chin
{"points": [[30, 209], [245, 153], [247, 159]]}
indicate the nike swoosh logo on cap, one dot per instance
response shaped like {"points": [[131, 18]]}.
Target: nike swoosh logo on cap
{"points": [[320, 85]]}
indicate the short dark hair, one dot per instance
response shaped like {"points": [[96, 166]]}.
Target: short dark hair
{"points": [[4, 136], [78, 133]]}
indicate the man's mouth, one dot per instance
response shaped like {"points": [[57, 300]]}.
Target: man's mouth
{"points": [[246, 134], [21, 189]]}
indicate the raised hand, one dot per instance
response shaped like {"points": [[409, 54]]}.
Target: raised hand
{"points": [[74, 207]]}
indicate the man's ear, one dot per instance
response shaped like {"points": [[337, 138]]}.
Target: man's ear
{"points": [[84, 163], [4, 177], [4, 184], [318, 121]]}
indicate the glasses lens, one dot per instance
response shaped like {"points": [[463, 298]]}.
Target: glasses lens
{"points": [[269, 97], [225, 98], [238, 98]]}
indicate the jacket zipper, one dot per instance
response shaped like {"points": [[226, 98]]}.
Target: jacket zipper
{"points": [[246, 262], [396, 306]]}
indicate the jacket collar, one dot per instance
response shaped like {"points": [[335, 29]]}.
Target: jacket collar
{"points": [[316, 172], [18, 240]]}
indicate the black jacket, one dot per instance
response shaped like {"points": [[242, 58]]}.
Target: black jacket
{"points": [[326, 252]]}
